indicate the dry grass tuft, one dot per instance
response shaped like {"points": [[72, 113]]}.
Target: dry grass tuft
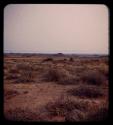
{"points": [[19, 114], [63, 106], [71, 59], [26, 73], [60, 75], [26, 76], [104, 70], [10, 93], [93, 77], [100, 115], [24, 67], [26, 115], [87, 91], [11, 76], [13, 71], [75, 116], [48, 59]]}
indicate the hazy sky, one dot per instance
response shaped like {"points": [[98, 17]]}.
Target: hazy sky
{"points": [[66, 28]]}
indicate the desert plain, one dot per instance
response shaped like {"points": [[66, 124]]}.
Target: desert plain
{"points": [[56, 87]]}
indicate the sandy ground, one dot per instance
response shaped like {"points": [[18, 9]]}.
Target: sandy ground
{"points": [[35, 96]]}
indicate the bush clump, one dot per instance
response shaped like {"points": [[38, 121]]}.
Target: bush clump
{"points": [[11, 76], [63, 106], [93, 77], [87, 91], [24, 67], [47, 59], [10, 93], [13, 71], [60, 76], [75, 116], [19, 114], [100, 115], [25, 73], [71, 59], [26, 76]]}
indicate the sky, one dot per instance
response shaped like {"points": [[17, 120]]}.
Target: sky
{"points": [[56, 28]]}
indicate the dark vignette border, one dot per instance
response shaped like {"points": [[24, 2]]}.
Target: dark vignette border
{"points": [[4, 3]]}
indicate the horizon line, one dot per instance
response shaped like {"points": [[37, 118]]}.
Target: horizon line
{"points": [[55, 53]]}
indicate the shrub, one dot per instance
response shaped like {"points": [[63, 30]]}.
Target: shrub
{"points": [[93, 77], [71, 59], [53, 75], [56, 74], [13, 71], [26, 73], [26, 115], [19, 114], [75, 116], [87, 91], [26, 76], [60, 76], [63, 106], [65, 59], [106, 61], [10, 93], [104, 70], [48, 59], [10, 76], [24, 67], [100, 115]]}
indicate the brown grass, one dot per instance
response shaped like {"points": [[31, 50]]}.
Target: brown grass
{"points": [[100, 114], [87, 91], [10, 93], [19, 114], [13, 71], [63, 106], [26, 76], [93, 77], [71, 59], [26, 73], [94, 112], [24, 66], [83, 81], [60, 75], [11, 77], [75, 116], [47, 59], [104, 69]]}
